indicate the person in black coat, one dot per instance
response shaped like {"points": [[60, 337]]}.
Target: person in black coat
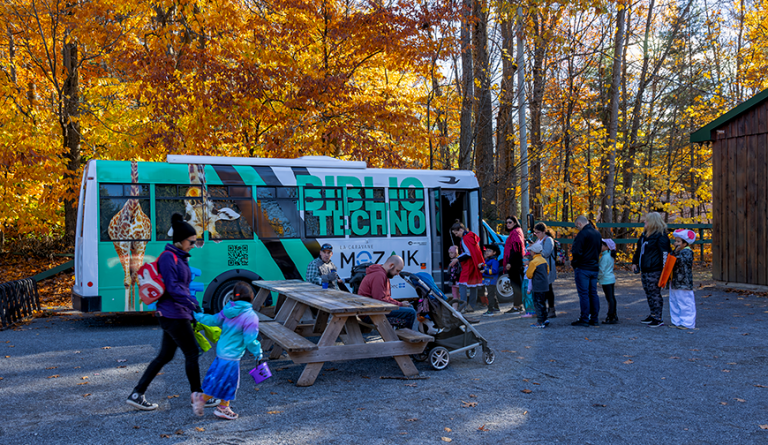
{"points": [[585, 259], [648, 259]]}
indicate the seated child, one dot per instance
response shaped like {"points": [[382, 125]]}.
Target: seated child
{"points": [[490, 276], [682, 304]]}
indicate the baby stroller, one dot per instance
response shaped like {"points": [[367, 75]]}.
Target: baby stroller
{"points": [[453, 333]]}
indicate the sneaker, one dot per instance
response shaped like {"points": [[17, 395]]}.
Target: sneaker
{"points": [[514, 310], [198, 403], [211, 403], [551, 313], [682, 327], [225, 412], [594, 323], [527, 315], [648, 319], [469, 309], [489, 313], [610, 320], [139, 402], [656, 323], [580, 323], [546, 323], [538, 326]]}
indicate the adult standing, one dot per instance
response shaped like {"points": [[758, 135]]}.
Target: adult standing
{"points": [[321, 270], [514, 249], [174, 314], [585, 259], [544, 236], [648, 259], [472, 264]]}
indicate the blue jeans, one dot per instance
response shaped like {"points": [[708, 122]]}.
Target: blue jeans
{"points": [[586, 286], [403, 317]]}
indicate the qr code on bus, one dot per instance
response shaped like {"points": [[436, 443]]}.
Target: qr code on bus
{"points": [[238, 255]]}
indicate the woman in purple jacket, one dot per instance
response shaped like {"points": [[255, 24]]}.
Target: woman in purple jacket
{"points": [[175, 314]]}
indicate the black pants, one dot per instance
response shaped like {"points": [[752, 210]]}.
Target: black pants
{"points": [[550, 297], [610, 297], [493, 302], [176, 333], [539, 300]]}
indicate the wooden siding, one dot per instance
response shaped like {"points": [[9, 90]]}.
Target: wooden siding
{"points": [[740, 198]]}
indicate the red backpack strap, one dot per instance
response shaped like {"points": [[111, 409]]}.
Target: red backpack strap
{"points": [[175, 258]]}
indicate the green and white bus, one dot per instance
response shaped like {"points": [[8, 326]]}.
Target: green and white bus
{"points": [[260, 218]]}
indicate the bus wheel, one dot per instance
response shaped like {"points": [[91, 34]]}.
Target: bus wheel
{"points": [[223, 295]]}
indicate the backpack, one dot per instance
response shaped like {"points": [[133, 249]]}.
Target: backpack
{"points": [[557, 252], [151, 285]]}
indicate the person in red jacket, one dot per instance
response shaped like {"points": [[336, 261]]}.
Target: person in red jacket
{"points": [[472, 264], [376, 285], [514, 251]]}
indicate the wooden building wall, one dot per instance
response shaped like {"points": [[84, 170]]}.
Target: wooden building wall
{"points": [[740, 197]]}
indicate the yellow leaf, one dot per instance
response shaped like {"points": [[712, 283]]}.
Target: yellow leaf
{"points": [[446, 439]]}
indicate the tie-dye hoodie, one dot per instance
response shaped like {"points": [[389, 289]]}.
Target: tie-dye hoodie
{"points": [[239, 329]]}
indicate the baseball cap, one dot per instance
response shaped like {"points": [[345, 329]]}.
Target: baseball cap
{"points": [[326, 246]]}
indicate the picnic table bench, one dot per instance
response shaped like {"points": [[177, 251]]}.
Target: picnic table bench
{"points": [[337, 312]]}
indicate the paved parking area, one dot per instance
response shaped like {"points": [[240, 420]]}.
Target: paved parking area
{"points": [[65, 379]]}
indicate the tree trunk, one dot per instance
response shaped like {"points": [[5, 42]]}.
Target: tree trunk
{"points": [[70, 112], [484, 157], [467, 89], [610, 185], [537, 98], [505, 167]]}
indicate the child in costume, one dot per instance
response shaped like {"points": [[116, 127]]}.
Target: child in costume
{"points": [[528, 306], [240, 327], [682, 304], [607, 279], [538, 274], [454, 272]]}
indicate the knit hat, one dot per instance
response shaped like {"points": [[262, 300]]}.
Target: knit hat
{"points": [[181, 229], [535, 248], [689, 236], [609, 242]]}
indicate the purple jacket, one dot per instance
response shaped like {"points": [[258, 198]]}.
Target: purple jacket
{"points": [[176, 301]]}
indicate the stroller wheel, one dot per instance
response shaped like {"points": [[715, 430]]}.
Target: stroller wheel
{"points": [[489, 356], [421, 357], [471, 353], [439, 358]]}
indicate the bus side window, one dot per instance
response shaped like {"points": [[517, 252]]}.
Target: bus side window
{"points": [[406, 212], [231, 212], [324, 212], [367, 212], [117, 200], [184, 199], [277, 213]]}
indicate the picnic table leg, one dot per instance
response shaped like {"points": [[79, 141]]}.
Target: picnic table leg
{"points": [[309, 375], [289, 316], [260, 298], [388, 334]]}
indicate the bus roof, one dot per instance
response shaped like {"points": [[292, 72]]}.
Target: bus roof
{"points": [[304, 161]]}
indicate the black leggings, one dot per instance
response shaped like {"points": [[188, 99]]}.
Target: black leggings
{"points": [[550, 297], [176, 333], [610, 296]]}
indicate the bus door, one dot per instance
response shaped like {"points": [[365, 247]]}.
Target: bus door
{"points": [[436, 237]]}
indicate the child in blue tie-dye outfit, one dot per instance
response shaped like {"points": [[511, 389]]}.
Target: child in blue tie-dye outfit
{"points": [[239, 329]]}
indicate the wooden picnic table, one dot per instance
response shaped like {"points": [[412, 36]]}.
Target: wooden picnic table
{"points": [[337, 311]]}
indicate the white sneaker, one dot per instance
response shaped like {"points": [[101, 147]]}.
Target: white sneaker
{"points": [[198, 404]]}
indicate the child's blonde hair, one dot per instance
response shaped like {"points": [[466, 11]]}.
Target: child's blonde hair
{"points": [[654, 224], [453, 249]]}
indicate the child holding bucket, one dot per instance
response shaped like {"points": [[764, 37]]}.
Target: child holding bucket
{"points": [[239, 329]]}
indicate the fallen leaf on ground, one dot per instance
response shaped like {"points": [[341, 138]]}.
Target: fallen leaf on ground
{"points": [[761, 386], [507, 350], [525, 413], [86, 395], [412, 385], [468, 404], [764, 427], [52, 367], [290, 381], [360, 409], [739, 400], [197, 428], [121, 360], [447, 430], [483, 428], [179, 432], [731, 363], [534, 383], [628, 362], [553, 360], [83, 377], [411, 420], [332, 369], [446, 439], [726, 370], [525, 380], [106, 347], [55, 376], [272, 392], [274, 412], [526, 391], [83, 383], [165, 436], [473, 396], [598, 405], [723, 403], [136, 427], [527, 347], [173, 396], [629, 356], [521, 358]]}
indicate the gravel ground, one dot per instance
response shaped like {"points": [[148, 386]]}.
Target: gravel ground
{"points": [[66, 378]]}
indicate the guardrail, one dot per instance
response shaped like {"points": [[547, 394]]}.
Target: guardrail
{"points": [[18, 300]]}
